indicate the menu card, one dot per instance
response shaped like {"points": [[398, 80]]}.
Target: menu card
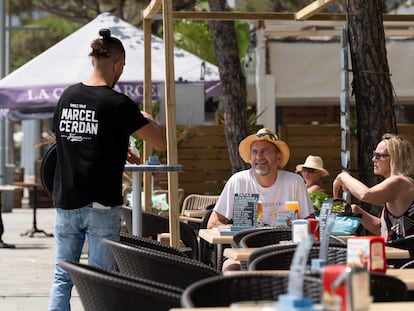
{"points": [[324, 213], [245, 211]]}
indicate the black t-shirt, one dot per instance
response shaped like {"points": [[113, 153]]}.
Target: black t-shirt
{"points": [[92, 125]]}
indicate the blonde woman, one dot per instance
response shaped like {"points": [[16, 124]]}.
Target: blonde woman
{"points": [[393, 159]]}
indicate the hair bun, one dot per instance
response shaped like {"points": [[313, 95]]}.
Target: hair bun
{"points": [[105, 33]]}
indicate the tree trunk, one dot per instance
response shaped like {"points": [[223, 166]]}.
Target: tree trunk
{"points": [[233, 84], [371, 81]]}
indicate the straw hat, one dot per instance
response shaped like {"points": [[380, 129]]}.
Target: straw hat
{"points": [[314, 162], [267, 135]]}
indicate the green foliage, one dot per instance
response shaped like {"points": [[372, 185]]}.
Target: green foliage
{"points": [[258, 6], [295, 5], [27, 44], [319, 196], [195, 37], [242, 34]]}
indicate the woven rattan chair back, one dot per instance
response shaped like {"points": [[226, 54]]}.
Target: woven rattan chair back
{"points": [[386, 288], [153, 224], [224, 290], [279, 257], [242, 233], [159, 266], [198, 202], [134, 240], [266, 237], [260, 237], [403, 243], [101, 290], [408, 265]]}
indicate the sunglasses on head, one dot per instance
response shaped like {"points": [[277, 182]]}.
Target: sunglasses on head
{"points": [[377, 155], [271, 136]]}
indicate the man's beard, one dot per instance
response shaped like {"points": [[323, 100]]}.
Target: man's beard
{"points": [[262, 172]]}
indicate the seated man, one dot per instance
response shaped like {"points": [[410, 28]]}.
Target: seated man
{"points": [[267, 155]]}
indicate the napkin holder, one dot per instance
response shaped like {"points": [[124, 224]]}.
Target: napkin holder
{"points": [[346, 288], [367, 252]]}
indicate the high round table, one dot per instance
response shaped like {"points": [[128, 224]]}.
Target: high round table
{"points": [[137, 171]]}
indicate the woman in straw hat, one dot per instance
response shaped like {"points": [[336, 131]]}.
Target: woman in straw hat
{"points": [[312, 172], [268, 156]]}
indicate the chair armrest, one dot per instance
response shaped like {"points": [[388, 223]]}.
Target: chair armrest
{"points": [[406, 243], [192, 219], [195, 213]]}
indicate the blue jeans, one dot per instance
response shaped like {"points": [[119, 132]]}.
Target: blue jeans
{"points": [[71, 227]]}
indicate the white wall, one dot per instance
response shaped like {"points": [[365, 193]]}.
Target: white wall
{"points": [[308, 73], [189, 104]]}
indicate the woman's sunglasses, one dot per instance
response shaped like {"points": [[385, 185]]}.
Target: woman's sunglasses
{"points": [[377, 155], [308, 169]]}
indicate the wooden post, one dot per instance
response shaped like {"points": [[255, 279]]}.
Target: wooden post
{"points": [[147, 107], [170, 117]]}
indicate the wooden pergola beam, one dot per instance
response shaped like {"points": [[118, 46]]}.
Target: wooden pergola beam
{"points": [[152, 9], [313, 8], [274, 16], [232, 16]]}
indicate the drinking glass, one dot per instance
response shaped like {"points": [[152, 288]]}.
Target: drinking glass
{"points": [[293, 206], [259, 210]]}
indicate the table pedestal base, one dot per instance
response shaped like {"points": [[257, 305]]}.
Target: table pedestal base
{"points": [[31, 232]]}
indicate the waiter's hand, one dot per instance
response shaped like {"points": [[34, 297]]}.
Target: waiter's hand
{"points": [[132, 158]]}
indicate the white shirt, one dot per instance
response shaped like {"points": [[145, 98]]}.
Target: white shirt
{"points": [[288, 187]]}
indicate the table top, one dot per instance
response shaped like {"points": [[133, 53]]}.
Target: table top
{"points": [[243, 254], [405, 275], [27, 184], [380, 306], [195, 213], [8, 187], [213, 236], [153, 168]]}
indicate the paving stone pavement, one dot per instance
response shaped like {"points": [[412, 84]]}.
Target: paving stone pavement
{"points": [[26, 272]]}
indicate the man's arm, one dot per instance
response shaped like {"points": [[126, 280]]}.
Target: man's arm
{"points": [[215, 220], [153, 134]]}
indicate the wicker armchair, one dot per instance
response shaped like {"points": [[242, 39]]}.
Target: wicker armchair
{"points": [[403, 243], [159, 266], [279, 257], [408, 265], [134, 240], [102, 290], [241, 234], [224, 290], [267, 237], [196, 202], [153, 224], [386, 288], [260, 237]]}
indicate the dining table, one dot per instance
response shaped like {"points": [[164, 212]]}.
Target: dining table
{"points": [[375, 306], [219, 239], [34, 186], [405, 275], [243, 254], [136, 171]]}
